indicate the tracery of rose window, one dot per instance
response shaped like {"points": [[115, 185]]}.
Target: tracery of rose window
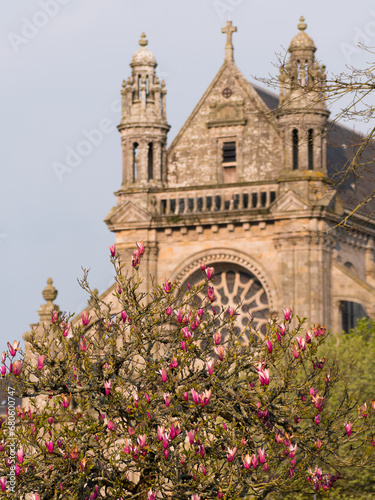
{"points": [[235, 285]]}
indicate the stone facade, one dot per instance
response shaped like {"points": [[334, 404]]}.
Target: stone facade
{"points": [[244, 188]]}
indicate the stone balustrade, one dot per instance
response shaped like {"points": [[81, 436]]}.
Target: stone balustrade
{"points": [[224, 199]]}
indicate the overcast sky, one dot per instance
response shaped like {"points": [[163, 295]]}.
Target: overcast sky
{"points": [[62, 64]]}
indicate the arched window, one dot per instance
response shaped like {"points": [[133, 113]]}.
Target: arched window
{"points": [[351, 312], [139, 86], [150, 161], [234, 285], [135, 161], [161, 161], [310, 149], [295, 148]]}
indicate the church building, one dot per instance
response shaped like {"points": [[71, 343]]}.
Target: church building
{"points": [[246, 186]]}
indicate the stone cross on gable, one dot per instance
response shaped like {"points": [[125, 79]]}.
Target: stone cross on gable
{"points": [[229, 30]]}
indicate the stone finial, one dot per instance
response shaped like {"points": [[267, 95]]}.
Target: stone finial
{"points": [[50, 292], [302, 25], [143, 42], [49, 295], [229, 30]]}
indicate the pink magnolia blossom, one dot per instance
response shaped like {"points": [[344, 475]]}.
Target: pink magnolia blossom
{"points": [[41, 360], [318, 444], [318, 402], [50, 446], [254, 461], [279, 438], [161, 431], [287, 313], [54, 316], [269, 346], [210, 366], [107, 386], [282, 329], [195, 396], [205, 397], [166, 440], [209, 272], [266, 467], [220, 494], [180, 315], [217, 338], [174, 363], [147, 397], [262, 455], [111, 425], [202, 450], [3, 483], [142, 440], [348, 428], [135, 259], [3, 370], [363, 410], [163, 373], [13, 348], [186, 396], [33, 428], [3, 357], [167, 399], [295, 351], [83, 344], [220, 352], [66, 330], [246, 460], [16, 367], [19, 455], [231, 453], [167, 286], [293, 450], [211, 294], [86, 318], [187, 333], [264, 375], [191, 436], [183, 345], [65, 400], [168, 311], [124, 316], [112, 249], [203, 267], [141, 248], [308, 337], [204, 470], [301, 343], [317, 419], [195, 497], [151, 495]]}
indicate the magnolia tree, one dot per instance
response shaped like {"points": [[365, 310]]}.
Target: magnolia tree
{"points": [[165, 400]]}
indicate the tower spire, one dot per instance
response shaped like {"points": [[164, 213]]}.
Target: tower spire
{"points": [[229, 49]]}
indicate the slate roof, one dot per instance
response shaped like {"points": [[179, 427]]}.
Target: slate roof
{"points": [[341, 142]]}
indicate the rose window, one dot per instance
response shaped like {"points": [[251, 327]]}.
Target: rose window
{"points": [[235, 286]]}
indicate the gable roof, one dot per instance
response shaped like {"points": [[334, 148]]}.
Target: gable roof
{"points": [[246, 86]]}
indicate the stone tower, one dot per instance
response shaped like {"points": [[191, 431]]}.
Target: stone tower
{"points": [[244, 187], [302, 112], [143, 125]]}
